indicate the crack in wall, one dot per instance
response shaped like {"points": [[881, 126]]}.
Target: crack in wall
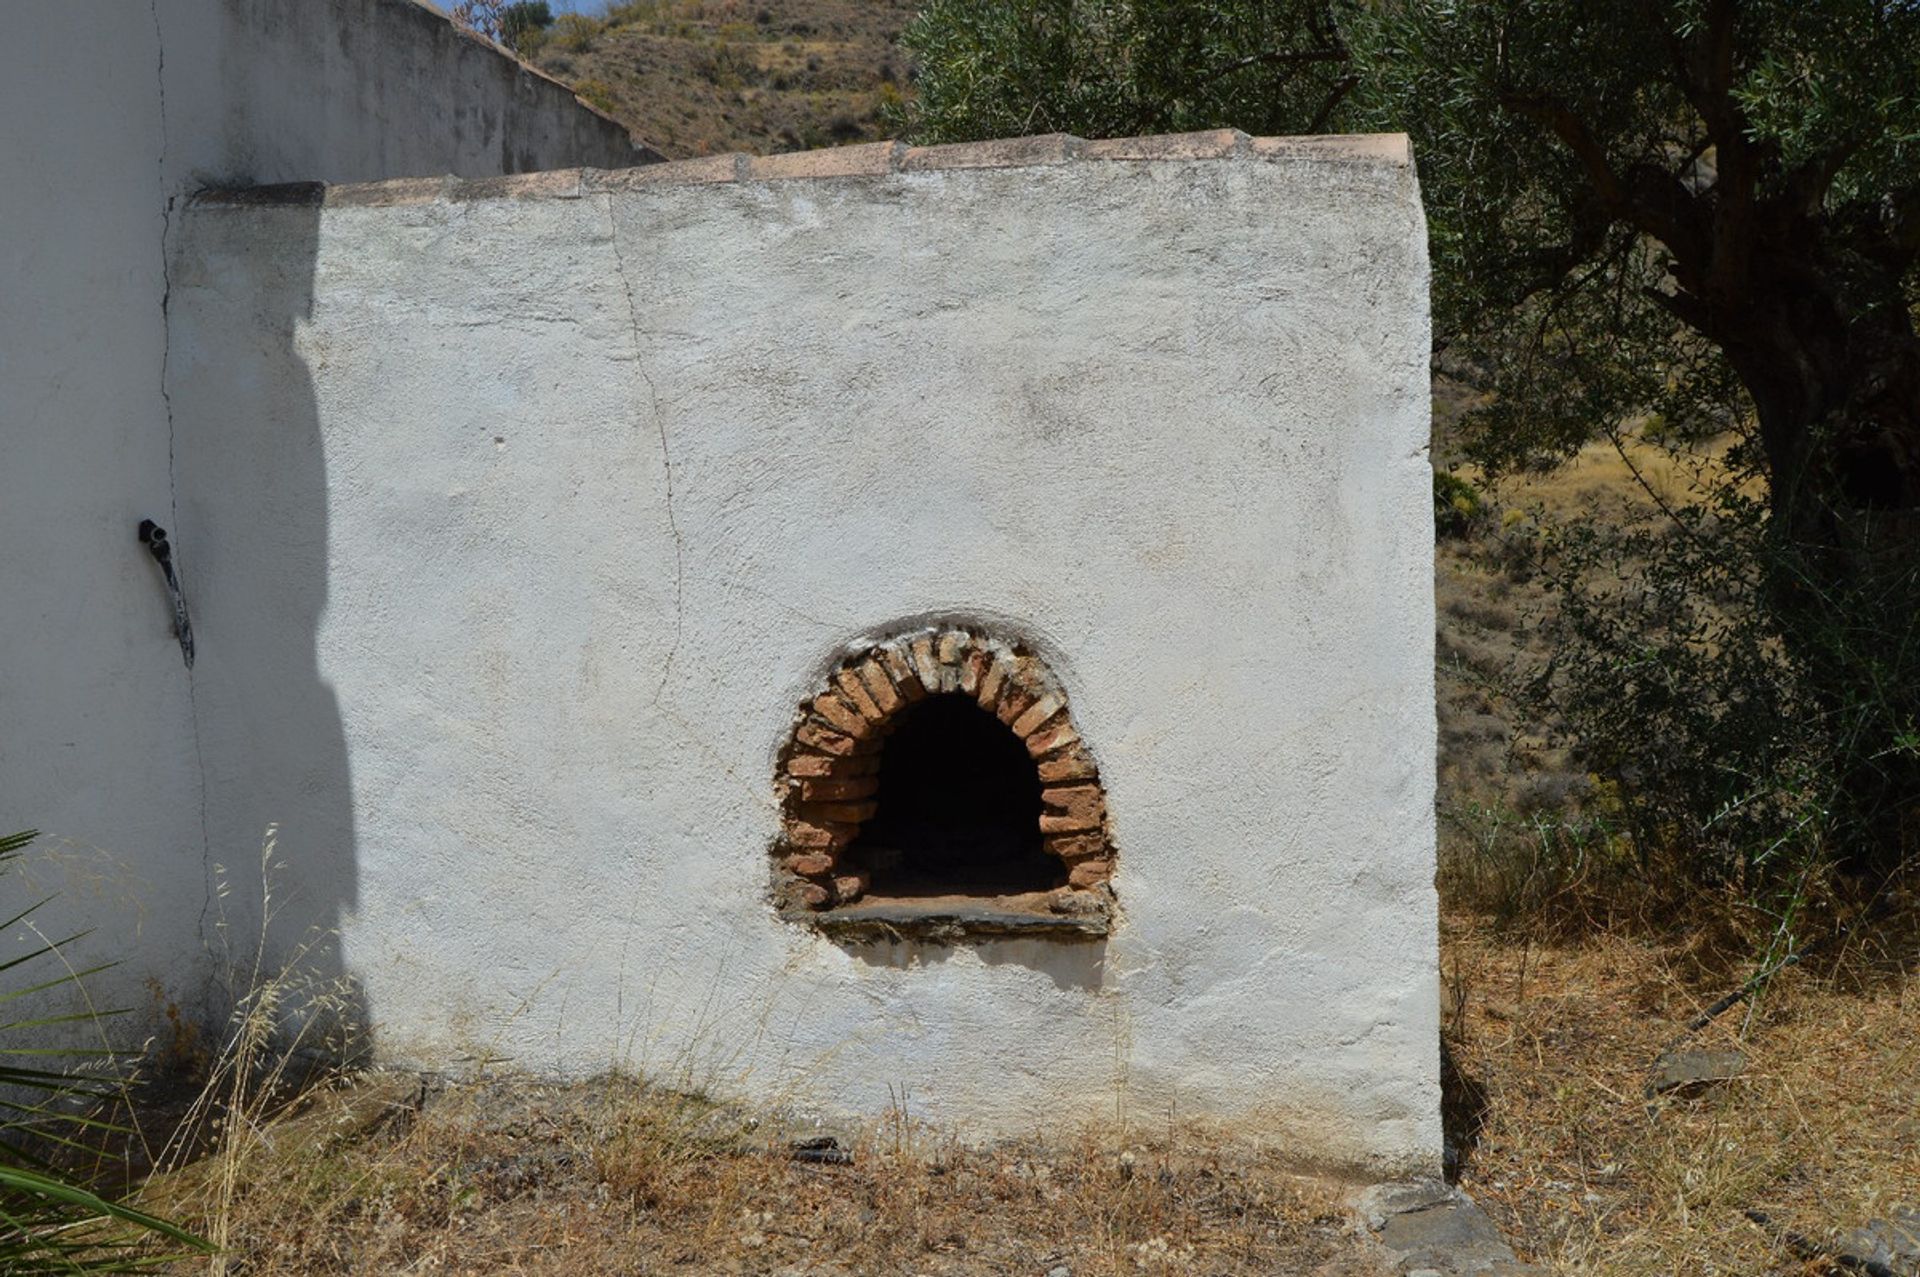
{"points": [[666, 455], [167, 202]]}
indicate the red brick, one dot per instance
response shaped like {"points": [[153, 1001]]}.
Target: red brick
{"points": [[1067, 823], [842, 715], [818, 765], [1073, 764], [827, 834], [873, 673], [950, 653], [1009, 152], [1015, 697], [815, 734], [899, 665], [809, 765], [708, 168], [926, 663], [395, 190], [810, 864], [870, 159], [850, 887], [849, 813], [1214, 144], [1052, 739], [998, 672], [1085, 801], [1393, 148], [973, 669], [1090, 873], [839, 788], [808, 895], [823, 766], [856, 694], [1035, 715], [546, 184], [1074, 848]]}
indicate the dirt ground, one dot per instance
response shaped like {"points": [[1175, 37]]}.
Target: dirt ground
{"points": [[1553, 1047]]}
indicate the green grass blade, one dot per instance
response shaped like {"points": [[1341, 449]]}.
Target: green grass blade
{"points": [[44, 1186]]}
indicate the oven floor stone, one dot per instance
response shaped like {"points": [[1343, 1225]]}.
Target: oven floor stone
{"points": [[956, 918]]}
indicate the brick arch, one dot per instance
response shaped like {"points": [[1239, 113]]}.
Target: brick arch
{"points": [[829, 778]]}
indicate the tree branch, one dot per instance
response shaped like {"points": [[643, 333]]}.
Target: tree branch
{"points": [[1273, 57], [1558, 118], [1343, 86], [1640, 198]]}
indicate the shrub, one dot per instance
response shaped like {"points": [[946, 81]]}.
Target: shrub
{"points": [[576, 32], [1457, 508], [596, 93], [1538, 870], [522, 19], [1754, 743]]}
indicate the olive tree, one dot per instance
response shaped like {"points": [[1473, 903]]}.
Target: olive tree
{"points": [[1704, 209]]}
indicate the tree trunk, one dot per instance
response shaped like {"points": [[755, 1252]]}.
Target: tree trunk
{"points": [[1838, 403]]}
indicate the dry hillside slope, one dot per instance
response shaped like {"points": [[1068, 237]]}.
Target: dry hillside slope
{"points": [[702, 77]]}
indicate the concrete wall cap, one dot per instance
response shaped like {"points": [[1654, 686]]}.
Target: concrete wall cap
{"points": [[867, 160], [1213, 144], [874, 159], [704, 171], [1395, 149], [1005, 152]]}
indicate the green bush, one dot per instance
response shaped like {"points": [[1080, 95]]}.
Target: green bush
{"points": [[1758, 739], [596, 93], [523, 24], [1457, 508], [576, 32]]}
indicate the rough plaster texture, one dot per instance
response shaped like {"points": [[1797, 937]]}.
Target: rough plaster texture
{"points": [[526, 513], [114, 111]]}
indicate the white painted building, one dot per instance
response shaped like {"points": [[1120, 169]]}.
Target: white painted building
{"points": [[950, 621], [116, 111]]}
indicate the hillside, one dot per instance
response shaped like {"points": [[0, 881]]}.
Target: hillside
{"points": [[702, 77]]}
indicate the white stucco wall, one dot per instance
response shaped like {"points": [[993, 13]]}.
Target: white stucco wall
{"points": [[525, 515], [115, 110]]}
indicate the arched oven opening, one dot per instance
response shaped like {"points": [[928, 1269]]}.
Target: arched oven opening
{"points": [[937, 784], [958, 809]]}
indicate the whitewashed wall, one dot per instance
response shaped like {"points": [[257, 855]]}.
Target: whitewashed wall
{"points": [[114, 110], [526, 513]]}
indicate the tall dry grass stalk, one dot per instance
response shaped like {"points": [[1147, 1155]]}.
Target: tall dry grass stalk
{"points": [[287, 1030]]}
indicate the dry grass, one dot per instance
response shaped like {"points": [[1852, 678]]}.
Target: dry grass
{"points": [[1588, 1174], [1552, 1046], [511, 1175]]}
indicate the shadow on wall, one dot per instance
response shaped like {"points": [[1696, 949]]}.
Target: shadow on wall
{"points": [[281, 872]]}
